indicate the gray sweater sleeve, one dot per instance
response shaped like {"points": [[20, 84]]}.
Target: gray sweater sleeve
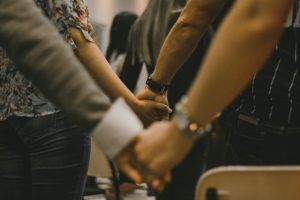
{"points": [[33, 43]]}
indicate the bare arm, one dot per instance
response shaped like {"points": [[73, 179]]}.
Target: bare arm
{"points": [[180, 43], [184, 37], [92, 58], [41, 54], [98, 67], [240, 48]]}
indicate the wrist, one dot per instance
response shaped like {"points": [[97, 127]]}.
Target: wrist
{"points": [[179, 134], [190, 127], [154, 93], [159, 78], [155, 86], [133, 102]]}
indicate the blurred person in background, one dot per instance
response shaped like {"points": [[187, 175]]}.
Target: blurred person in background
{"points": [[118, 39]]}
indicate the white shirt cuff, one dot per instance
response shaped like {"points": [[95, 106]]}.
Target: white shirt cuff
{"points": [[117, 128]]}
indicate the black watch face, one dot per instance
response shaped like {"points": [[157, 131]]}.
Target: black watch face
{"points": [[155, 86]]}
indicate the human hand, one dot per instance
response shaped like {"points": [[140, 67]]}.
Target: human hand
{"points": [[149, 111], [126, 162], [160, 148], [147, 94]]}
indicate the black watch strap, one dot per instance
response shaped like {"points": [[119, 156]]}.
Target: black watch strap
{"points": [[156, 87]]}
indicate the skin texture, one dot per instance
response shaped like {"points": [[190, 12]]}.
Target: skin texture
{"points": [[250, 31], [98, 67]]}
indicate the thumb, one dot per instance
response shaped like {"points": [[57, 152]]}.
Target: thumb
{"points": [[159, 183], [145, 96], [162, 108]]}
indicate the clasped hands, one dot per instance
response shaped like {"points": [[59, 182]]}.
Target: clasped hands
{"points": [[150, 107], [155, 151]]}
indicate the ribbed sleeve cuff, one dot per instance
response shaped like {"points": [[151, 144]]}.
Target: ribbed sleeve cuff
{"points": [[117, 128]]}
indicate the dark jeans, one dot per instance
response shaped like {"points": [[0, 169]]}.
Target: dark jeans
{"points": [[252, 142], [42, 158]]}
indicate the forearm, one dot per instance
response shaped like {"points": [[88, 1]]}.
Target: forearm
{"points": [[184, 37], [98, 67], [239, 50]]}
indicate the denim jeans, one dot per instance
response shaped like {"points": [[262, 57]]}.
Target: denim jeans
{"points": [[252, 142], [42, 158]]}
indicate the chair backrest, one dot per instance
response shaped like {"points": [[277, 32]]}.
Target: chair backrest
{"points": [[250, 183]]}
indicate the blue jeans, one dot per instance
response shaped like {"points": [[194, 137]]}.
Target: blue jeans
{"points": [[253, 142], [42, 158]]}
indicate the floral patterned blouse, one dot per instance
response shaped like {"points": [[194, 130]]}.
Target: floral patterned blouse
{"points": [[18, 96]]}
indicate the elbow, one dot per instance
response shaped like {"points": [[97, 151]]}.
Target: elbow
{"points": [[190, 27], [198, 15], [195, 19], [189, 22]]}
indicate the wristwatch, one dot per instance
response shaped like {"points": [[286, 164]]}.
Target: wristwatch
{"points": [[156, 87], [187, 126]]}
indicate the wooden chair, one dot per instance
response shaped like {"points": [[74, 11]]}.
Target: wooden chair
{"points": [[250, 183]]}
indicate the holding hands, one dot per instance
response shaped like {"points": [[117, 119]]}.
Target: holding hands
{"points": [[150, 157], [148, 94], [149, 110], [154, 153], [156, 150], [153, 99]]}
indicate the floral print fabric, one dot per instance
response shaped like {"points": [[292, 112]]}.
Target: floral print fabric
{"points": [[18, 96]]}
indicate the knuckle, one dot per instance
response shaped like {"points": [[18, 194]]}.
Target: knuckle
{"points": [[142, 159]]}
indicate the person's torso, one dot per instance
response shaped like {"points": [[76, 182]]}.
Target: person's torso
{"points": [[18, 96], [274, 92]]}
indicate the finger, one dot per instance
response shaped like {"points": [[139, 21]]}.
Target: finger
{"points": [[162, 108], [157, 184], [146, 95], [168, 177], [160, 183], [143, 96], [161, 187], [147, 177], [124, 161], [164, 113], [131, 172], [164, 117], [156, 111]]}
